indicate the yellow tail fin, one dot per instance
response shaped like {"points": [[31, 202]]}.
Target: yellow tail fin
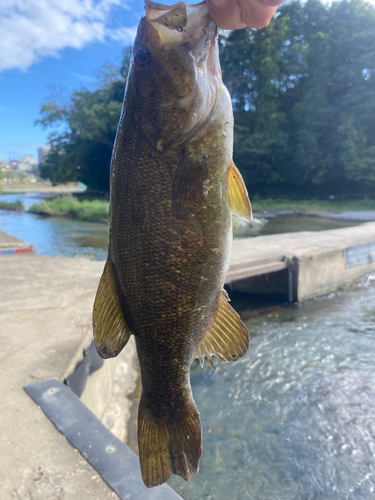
{"points": [[169, 447]]}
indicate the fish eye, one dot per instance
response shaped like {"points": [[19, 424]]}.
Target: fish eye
{"points": [[142, 58]]}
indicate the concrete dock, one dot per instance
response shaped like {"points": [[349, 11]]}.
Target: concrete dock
{"points": [[298, 266]]}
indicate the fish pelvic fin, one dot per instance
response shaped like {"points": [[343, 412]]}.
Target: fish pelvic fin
{"points": [[169, 446], [111, 332], [239, 202], [226, 337]]}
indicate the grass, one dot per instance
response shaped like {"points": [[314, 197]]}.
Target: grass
{"points": [[69, 206], [17, 206], [312, 207]]}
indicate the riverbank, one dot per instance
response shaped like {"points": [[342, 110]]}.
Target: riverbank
{"points": [[71, 207], [17, 206], [45, 320], [54, 298], [310, 207]]}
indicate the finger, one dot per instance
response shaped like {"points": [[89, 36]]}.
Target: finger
{"points": [[255, 14], [272, 3], [226, 14]]}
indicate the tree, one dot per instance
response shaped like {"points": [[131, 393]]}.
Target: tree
{"points": [[304, 95], [82, 152]]}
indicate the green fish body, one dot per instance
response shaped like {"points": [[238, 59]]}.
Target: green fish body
{"points": [[173, 190]]}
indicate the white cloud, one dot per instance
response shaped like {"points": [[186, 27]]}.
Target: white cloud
{"points": [[33, 29], [123, 34]]}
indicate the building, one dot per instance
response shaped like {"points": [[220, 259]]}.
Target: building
{"points": [[42, 153]]}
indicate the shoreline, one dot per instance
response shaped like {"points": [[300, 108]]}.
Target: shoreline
{"points": [[67, 204]]}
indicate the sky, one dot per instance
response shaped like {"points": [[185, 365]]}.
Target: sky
{"points": [[45, 43], [49, 43]]}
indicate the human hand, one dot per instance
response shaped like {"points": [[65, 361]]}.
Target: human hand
{"points": [[237, 14]]}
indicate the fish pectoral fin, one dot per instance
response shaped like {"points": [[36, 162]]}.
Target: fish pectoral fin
{"points": [[227, 337], [188, 190], [239, 202], [111, 332]]}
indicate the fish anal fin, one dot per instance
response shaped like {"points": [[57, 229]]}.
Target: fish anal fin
{"points": [[111, 332], [227, 337], [237, 193], [169, 446]]}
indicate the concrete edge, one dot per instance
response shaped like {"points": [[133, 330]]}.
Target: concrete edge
{"points": [[78, 356]]}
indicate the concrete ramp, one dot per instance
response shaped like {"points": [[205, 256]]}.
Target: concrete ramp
{"points": [[298, 266], [10, 245]]}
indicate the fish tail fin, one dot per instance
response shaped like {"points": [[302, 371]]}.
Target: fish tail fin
{"points": [[169, 446]]}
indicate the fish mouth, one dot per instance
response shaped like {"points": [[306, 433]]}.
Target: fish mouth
{"points": [[183, 24], [190, 25], [191, 28]]}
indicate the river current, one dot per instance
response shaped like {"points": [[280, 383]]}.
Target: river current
{"points": [[294, 419]]}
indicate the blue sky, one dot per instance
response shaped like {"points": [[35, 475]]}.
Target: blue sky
{"points": [[54, 42]]}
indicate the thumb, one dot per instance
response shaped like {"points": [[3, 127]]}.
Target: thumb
{"points": [[226, 14]]}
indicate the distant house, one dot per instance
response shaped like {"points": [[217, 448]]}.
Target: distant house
{"points": [[25, 164]]}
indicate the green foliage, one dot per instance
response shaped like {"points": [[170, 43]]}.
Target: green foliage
{"points": [[69, 206], [82, 152], [303, 92], [304, 97], [16, 205]]}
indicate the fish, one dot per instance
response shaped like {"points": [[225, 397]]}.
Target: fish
{"points": [[173, 190]]}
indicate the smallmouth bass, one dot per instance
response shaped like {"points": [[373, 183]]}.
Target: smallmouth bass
{"points": [[173, 190]]}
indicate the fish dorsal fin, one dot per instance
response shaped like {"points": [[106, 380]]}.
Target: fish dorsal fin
{"points": [[239, 202], [227, 337], [111, 333]]}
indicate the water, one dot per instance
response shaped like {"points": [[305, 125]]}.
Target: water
{"points": [[54, 235], [294, 418], [69, 238], [293, 224]]}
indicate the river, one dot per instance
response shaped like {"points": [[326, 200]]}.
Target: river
{"points": [[69, 238], [294, 418], [53, 235]]}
